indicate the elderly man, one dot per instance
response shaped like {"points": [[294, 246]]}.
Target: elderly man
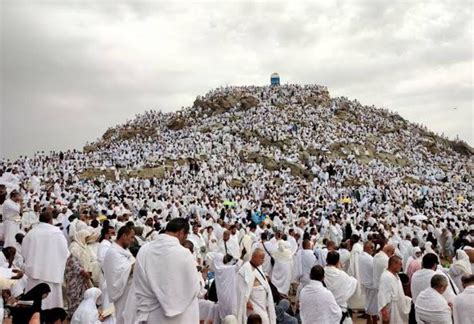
{"points": [[317, 303], [254, 292], [463, 310], [421, 279], [430, 306], [393, 305]]}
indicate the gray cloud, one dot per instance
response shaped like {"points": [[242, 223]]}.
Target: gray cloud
{"points": [[70, 70]]}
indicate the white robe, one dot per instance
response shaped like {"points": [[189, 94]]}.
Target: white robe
{"points": [[421, 280], [345, 257], [357, 300], [321, 255], [391, 293], [198, 243], [87, 312], [431, 307], [460, 267], [305, 260], [282, 274], [267, 264], [463, 310], [380, 264], [225, 279], [118, 267], [318, 305], [232, 248], [247, 243], [106, 301], [12, 220], [366, 268], [102, 251], [260, 296], [45, 252], [166, 283], [340, 284]]}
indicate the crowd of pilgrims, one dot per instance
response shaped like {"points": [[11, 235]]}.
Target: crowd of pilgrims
{"points": [[192, 247]]}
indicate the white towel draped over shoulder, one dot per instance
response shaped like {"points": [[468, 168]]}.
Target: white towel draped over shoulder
{"points": [[391, 294], [118, 264], [340, 284], [166, 282], [431, 307], [47, 266], [318, 305]]}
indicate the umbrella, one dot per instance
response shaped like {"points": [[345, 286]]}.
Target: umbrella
{"points": [[346, 200], [419, 217], [230, 203]]}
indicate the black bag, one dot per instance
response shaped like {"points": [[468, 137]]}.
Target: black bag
{"points": [[272, 260]]}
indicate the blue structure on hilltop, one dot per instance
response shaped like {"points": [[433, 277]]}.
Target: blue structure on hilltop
{"points": [[275, 79]]}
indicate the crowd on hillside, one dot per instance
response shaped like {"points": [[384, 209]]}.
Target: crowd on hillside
{"points": [[365, 211]]}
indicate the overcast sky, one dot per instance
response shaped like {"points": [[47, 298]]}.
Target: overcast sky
{"points": [[71, 69]]}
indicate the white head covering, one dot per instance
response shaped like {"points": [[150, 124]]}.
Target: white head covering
{"points": [[283, 252], [80, 237], [428, 248], [78, 248], [230, 319], [87, 312], [462, 262]]}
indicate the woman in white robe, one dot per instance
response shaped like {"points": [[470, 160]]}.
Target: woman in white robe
{"points": [[282, 273], [80, 250], [87, 312], [415, 255], [461, 267], [93, 248]]}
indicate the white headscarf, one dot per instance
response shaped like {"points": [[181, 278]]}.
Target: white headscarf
{"points": [[462, 262], [428, 248], [87, 312], [230, 319], [79, 248], [283, 252]]}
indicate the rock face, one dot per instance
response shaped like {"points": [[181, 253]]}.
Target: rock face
{"points": [[220, 104], [176, 124]]}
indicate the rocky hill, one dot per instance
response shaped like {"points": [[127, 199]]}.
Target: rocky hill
{"points": [[291, 127]]}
